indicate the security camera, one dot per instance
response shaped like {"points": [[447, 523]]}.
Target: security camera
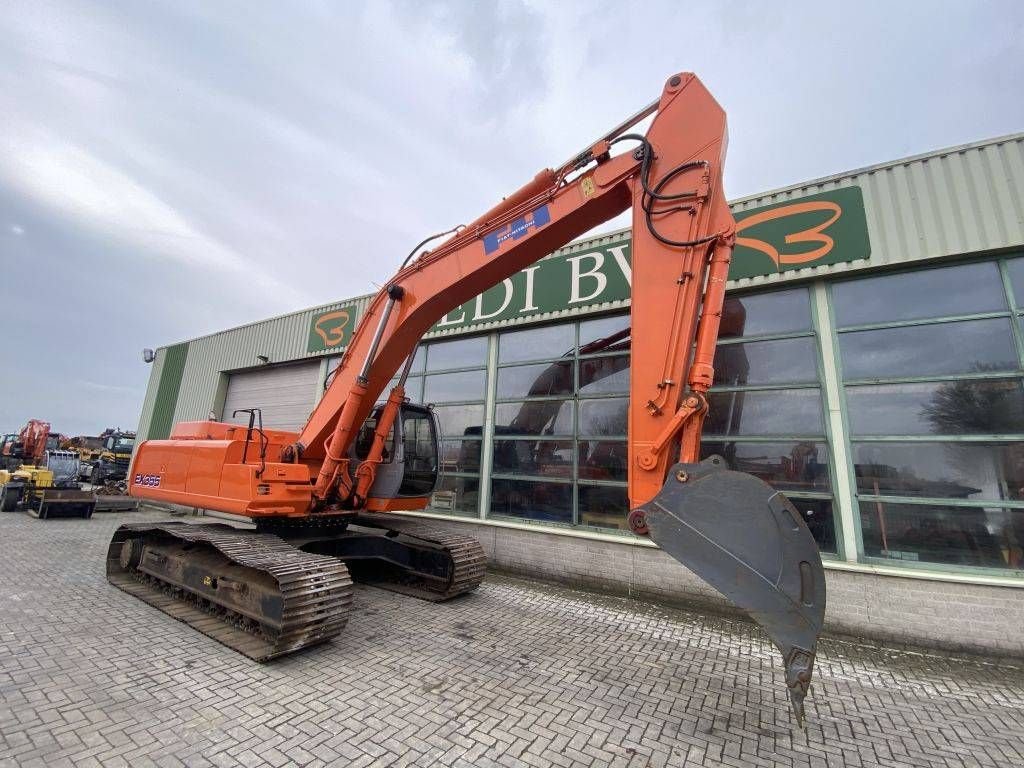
{"points": [[263, 359], [148, 355]]}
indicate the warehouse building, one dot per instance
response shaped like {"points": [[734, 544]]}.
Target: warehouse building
{"points": [[871, 365]]}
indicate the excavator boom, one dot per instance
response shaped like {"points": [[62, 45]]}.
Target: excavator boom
{"points": [[366, 451]]}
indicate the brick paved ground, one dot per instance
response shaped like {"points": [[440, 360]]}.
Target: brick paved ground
{"points": [[516, 674]]}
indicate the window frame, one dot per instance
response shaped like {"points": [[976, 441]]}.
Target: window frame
{"points": [[1015, 313], [813, 331], [837, 435], [575, 438], [422, 374]]}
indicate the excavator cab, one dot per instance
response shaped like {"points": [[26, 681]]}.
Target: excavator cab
{"points": [[409, 463]]}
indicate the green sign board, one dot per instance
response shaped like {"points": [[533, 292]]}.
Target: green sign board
{"points": [[810, 231], [599, 275], [331, 329], [825, 228]]}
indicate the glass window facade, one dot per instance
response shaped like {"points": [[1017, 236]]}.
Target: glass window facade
{"points": [[929, 414], [452, 377], [557, 431], [560, 424], [765, 411], [930, 363]]}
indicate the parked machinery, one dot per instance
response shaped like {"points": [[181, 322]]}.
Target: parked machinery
{"points": [[47, 491], [109, 461], [321, 497]]}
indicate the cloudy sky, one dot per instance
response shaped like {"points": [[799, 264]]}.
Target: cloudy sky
{"points": [[172, 169]]}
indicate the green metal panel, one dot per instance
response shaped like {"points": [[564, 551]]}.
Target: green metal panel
{"points": [[167, 391], [146, 413], [571, 278]]}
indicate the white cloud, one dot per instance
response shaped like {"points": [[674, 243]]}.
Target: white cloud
{"points": [[98, 386], [17, 229], [74, 182]]}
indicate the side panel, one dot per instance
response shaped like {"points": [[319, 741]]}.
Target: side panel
{"points": [[167, 391], [209, 474], [207, 461]]}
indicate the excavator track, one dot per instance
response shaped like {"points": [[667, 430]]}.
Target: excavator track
{"points": [[468, 560], [399, 555], [253, 592]]}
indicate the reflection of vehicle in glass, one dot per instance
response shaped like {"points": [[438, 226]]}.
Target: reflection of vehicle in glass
{"points": [[309, 489], [7, 446], [798, 468], [552, 457], [122, 444], [935, 534]]}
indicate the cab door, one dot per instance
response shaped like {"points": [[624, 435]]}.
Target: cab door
{"points": [[409, 464]]}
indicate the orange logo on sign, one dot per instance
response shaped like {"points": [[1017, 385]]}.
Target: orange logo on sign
{"points": [[814, 234], [331, 327]]}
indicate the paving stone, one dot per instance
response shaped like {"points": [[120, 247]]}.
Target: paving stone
{"points": [[518, 673]]}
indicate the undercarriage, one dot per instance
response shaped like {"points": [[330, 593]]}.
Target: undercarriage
{"points": [[285, 586]]}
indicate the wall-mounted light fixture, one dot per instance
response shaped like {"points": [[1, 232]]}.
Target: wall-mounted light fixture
{"points": [[263, 359]]}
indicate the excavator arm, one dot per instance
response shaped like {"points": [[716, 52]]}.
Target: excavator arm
{"points": [[683, 233], [731, 529], [32, 438]]}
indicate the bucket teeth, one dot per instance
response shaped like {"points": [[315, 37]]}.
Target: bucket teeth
{"points": [[799, 667]]}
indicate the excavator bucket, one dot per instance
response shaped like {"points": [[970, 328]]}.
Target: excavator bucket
{"points": [[747, 540]]}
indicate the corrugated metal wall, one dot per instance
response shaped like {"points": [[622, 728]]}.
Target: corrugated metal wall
{"points": [[281, 339], [955, 201], [148, 402], [167, 393], [161, 398]]}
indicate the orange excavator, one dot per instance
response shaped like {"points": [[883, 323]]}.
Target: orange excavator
{"points": [[321, 498], [28, 446]]}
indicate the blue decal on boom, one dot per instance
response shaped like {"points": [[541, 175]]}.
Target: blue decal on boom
{"points": [[517, 229]]}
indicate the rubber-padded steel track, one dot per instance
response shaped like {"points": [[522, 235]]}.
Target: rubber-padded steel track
{"points": [[315, 591], [469, 562]]}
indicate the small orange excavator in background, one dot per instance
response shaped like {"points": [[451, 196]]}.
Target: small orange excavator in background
{"points": [[27, 447], [320, 498]]}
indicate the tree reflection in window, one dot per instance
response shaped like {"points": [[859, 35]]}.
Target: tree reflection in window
{"points": [[971, 407]]}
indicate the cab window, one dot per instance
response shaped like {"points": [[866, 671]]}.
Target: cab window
{"points": [[364, 440], [419, 448]]}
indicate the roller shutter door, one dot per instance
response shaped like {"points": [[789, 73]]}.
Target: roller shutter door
{"points": [[286, 393]]}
